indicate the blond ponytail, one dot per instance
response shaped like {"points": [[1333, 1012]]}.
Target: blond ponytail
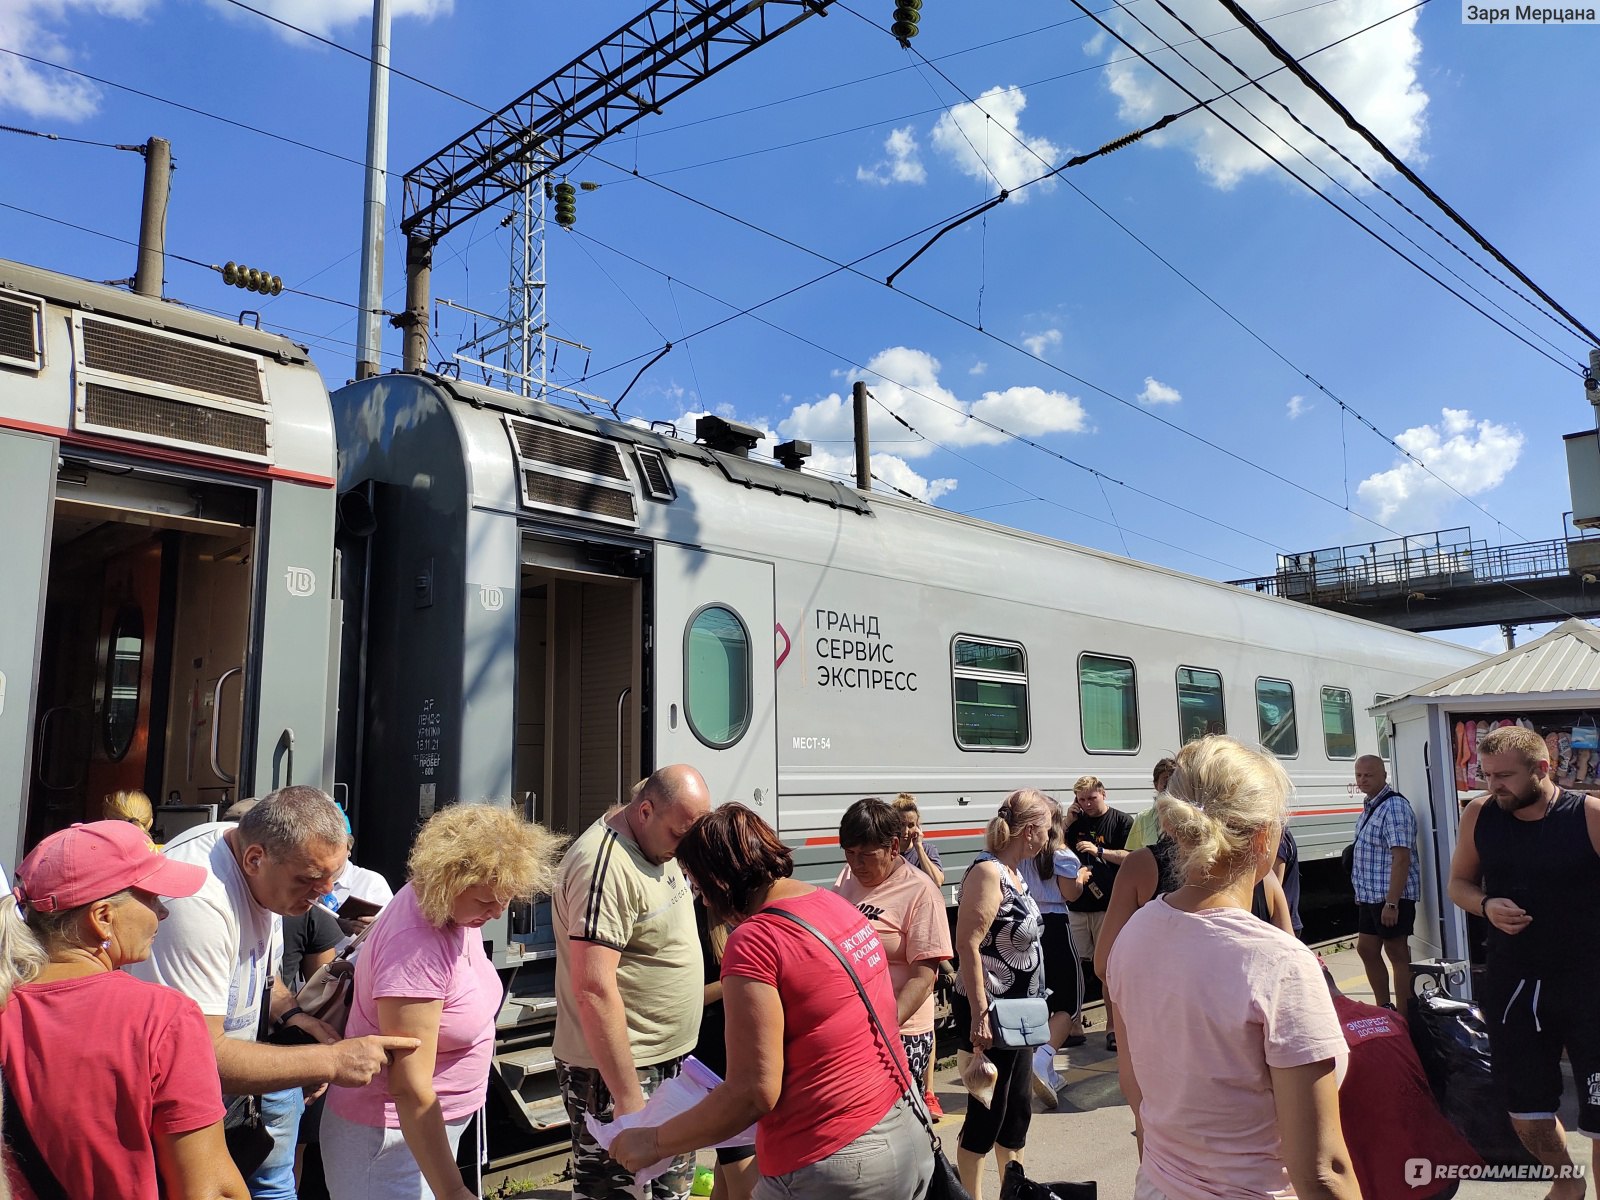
{"points": [[1221, 796]]}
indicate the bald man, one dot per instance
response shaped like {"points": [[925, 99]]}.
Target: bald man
{"points": [[628, 971], [1387, 882]]}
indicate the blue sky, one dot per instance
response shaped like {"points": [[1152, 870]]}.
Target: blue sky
{"points": [[840, 142]]}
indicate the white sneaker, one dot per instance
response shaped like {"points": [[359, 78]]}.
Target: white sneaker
{"points": [[1046, 1082]]}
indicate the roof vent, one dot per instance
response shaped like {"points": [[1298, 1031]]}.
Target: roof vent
{"points": [[793, 454], [571, 474], [653, 474], [731, 437], [162, 387], [21, 331]]}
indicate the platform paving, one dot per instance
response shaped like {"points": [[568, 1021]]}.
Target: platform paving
{"points": [[1090, 1135]]}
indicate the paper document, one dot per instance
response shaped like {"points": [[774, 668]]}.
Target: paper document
{"points": [[675, 1096]]}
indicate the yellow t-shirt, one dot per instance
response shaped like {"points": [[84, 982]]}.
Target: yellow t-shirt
{"points": [[610, 893]]}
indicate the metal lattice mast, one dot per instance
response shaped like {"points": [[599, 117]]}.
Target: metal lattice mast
{"points": [[526, 363]]}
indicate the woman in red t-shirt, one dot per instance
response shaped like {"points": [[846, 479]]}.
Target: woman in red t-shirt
{"points": [[114, 1078], [805, 1062]]}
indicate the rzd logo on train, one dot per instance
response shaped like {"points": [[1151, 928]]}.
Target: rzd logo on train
{"points": [[301, 581]]}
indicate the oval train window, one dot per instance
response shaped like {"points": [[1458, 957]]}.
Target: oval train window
{"points": [[124, 667], [716, 676]]}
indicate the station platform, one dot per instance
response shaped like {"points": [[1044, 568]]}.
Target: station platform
{"points": [[1090, 1134]]}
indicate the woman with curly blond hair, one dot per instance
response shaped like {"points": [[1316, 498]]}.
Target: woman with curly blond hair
{"points": [[422, 969]]}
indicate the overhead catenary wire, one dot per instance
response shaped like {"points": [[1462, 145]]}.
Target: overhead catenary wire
{"points": [[1259, 86], [1411, 457], [63, 137], [1394, 160], [966, 415]]}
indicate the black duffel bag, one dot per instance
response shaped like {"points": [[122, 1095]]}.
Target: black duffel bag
{"points": [[1453, 1042]]}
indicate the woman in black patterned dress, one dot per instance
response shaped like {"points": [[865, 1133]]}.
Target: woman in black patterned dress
{"points": [[998, 929]]}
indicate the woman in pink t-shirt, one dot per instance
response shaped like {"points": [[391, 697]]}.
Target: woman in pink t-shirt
{"points": [[1231, 1052], [828, 1095], [422, 973]]}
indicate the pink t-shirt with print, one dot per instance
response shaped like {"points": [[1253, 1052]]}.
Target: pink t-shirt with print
{"points": [[1206, 1003], [404, 956], [907, 914]]}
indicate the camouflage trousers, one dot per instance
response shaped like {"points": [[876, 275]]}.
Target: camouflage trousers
{"points": [[595, 1174]]}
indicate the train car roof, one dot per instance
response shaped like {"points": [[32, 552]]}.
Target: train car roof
{"points": [[171, 315]]}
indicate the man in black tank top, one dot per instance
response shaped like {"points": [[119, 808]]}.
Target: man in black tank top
{"points": [[1528, 861]]}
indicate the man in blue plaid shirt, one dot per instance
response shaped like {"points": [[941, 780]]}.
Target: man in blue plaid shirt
{"points": [[1386, 881]]}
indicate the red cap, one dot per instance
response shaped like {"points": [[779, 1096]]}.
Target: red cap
{"points": [[86, 863]]}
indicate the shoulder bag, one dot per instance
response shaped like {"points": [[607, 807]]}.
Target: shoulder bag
{"points": [[1348, 855], [1020, 1023], [328, 994], [945, 1183]]}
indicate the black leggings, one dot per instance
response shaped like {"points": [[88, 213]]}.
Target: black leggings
{"points": [[1006, 1123]]}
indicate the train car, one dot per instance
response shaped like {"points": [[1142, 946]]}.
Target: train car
{"points": [[168, 519], [543, 605], [556, 603]]}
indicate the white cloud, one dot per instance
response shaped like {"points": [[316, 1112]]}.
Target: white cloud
{"points": [[35, 27], [1298, 407], [984, 139], [1374, 75], [324, 17], [1156, 392], [1471, 456], [978, 368], [1038, 343], [906, 381], [903, 163]]}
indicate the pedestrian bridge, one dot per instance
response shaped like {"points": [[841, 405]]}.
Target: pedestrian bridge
{"points": [[1444, 580]]}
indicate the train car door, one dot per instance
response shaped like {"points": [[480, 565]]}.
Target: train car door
{"points": [[715, 694], [28, 465]]}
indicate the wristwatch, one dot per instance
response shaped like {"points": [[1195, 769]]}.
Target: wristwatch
{"points": [[1391, 904], [294, 1012]]}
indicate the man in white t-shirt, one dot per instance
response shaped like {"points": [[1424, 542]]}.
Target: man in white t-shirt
{"points": [[220, 947]]}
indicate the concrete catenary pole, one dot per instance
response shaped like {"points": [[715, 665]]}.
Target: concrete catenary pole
{"points": [[372, 215], [858, 395], [147, 275]]}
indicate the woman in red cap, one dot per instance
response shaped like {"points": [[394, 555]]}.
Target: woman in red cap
{"points": [[111, 1083]]}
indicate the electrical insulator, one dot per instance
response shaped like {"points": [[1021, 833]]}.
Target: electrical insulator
{"points": [[906, 15], [251, 279], [566, 205]]}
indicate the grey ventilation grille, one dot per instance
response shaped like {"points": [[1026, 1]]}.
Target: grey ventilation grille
{"points": [[575, 452], [571, 474], [21, 331], [653, 474], [143, 354], [121, 411], [133, 381]]}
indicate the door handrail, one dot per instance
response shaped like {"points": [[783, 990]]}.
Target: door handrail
{"points": [[216, 727], [286, 745], [621, 700]]}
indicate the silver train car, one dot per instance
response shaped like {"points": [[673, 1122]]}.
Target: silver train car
{"points": [[169, 616], [554, 603]]}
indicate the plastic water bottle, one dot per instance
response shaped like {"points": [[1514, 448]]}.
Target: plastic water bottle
{"points": [[703, 1181]]}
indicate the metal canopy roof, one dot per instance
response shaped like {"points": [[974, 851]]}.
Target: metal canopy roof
{"points": [[1565, 660]]}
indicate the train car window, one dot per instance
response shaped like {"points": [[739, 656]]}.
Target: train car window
{"points": [[1383, 727], [990, 683], [1199, 704], [1275, 717], [716, 676], [1108, 704], [124, 669], [1338, 723]]}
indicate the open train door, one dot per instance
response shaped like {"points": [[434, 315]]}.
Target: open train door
{"points": [[715, 693]]}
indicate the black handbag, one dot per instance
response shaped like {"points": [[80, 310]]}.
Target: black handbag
{"points": [[945, 1183], [249, 1140]]}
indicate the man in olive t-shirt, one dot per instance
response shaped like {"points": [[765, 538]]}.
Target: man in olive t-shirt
{"points": [[628, 971]]}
